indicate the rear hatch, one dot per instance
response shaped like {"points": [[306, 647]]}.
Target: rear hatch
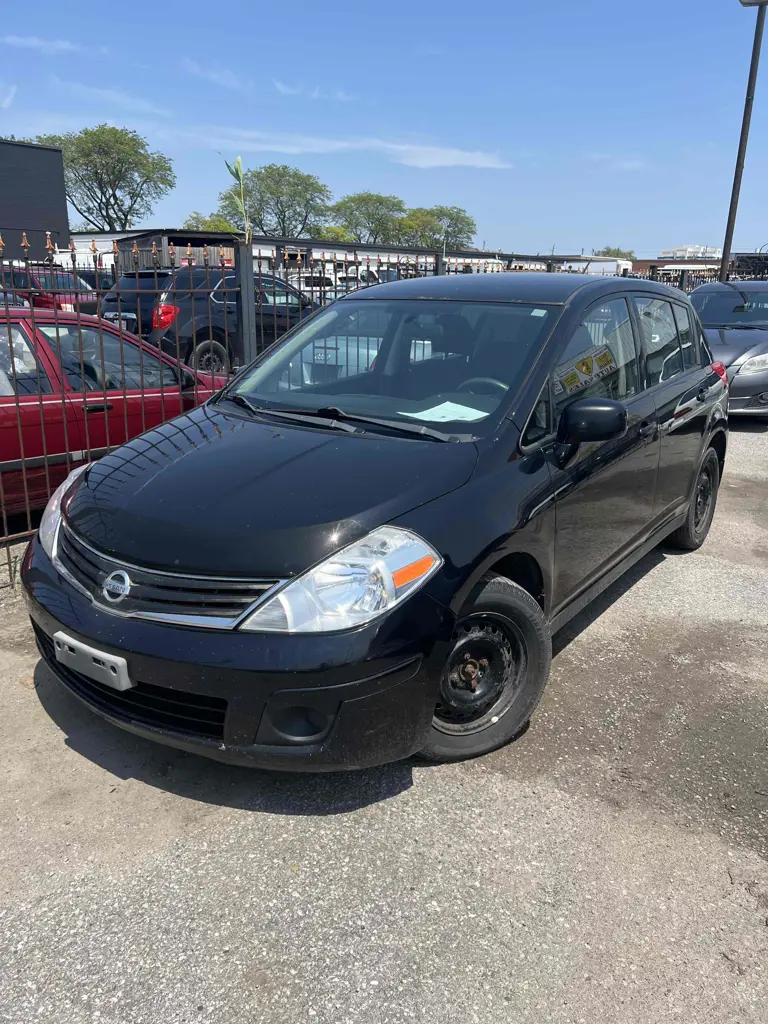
{"points": [[132, 299]]}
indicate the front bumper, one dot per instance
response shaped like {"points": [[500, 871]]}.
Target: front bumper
{"points": [[748, 394], [300, 703]]}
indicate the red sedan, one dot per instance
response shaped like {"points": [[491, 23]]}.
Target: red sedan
{"points": [[74, 387]]}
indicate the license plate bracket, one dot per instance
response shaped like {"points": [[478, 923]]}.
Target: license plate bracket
{"points": [[107, 669]]}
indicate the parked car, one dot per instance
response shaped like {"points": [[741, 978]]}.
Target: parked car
{"points": [[10, 298], [201, 326], [72, 388], [321, 287], [132, 298], [735, 318], [350, 569], [48, 286]]}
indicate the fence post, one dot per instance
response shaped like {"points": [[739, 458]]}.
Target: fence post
{"points": [[683, 283], [246, 302], [439, 263]]}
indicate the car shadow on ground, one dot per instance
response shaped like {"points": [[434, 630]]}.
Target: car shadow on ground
{"points": [[609, 596], [197, 778]]}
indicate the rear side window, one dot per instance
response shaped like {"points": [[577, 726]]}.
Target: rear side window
{"points": [[661, 345], [687, 338]]}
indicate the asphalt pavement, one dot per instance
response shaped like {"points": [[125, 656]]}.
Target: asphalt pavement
{"points": [[610, 865]]}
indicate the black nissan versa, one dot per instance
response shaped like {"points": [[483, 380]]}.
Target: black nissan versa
{"points": [[359, 549]]}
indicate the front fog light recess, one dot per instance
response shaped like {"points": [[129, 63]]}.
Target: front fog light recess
{"points": [[352, 587]]}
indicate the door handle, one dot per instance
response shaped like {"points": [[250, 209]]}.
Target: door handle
{"points": [[97, 406], [701, 394], [647, 429]]}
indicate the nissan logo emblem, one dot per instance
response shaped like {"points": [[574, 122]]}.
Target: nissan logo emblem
{"points": [[116, 586]]}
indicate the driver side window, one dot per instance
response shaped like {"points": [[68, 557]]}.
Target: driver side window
{"points": [[600, 359]]}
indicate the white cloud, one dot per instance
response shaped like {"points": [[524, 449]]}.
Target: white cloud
{"points": [[612, 162], [50, 47], [411, 154], [7, 93], [286, 90], [124, 100], [315, 93], [223, 77]]}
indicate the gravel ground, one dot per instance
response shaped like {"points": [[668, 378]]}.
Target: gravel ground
{"points": [[610, 865]]}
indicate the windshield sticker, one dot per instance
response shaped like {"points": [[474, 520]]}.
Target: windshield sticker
{"points": [[538, 312], [447, 412], [582, 372]]}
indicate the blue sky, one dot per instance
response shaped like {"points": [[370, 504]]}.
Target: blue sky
{"points": [[557, 123]]}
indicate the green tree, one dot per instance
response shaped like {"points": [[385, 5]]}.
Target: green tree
{"points": [[330, 233], [619, 254], [459, 229], [111, 177], [281, 201], [369, 217], [197, 221]]}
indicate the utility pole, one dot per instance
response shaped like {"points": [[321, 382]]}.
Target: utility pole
{"points": [[742, 152]]}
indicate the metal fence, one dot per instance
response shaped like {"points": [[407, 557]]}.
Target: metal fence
{"points": [[96, 348]]}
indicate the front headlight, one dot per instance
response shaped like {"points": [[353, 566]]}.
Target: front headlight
{"points": [[757, 364], [352, 587], [52, 514]]}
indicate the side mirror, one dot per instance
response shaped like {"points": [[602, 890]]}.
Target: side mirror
{"points": [[592, 419]]}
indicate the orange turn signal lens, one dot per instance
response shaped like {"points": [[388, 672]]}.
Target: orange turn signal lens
{"points": [[412, 572]]}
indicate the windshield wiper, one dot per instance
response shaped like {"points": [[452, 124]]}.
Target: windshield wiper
{"points": [[288, 414], [396, 425]]}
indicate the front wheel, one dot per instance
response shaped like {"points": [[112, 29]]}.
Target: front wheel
{"points": [[209, 357], [494, 676], [692, 534]]}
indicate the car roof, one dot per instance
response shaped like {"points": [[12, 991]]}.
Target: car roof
{"points": [[729, 286], [509, 286], [47, 316]]}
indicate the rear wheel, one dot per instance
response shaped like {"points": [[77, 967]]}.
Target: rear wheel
{"points": [[210, 356], [692, 534], [495, 674]]}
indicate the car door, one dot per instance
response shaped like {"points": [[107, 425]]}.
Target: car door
{"points": [[119, 387], [684, 392], [38, 436], [604, 491]]}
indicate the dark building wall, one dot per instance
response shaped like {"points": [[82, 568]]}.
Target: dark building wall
{"points": [[32, 198]]}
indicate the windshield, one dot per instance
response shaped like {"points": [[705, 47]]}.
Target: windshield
{"points": [[420, 362], [736, 307]]}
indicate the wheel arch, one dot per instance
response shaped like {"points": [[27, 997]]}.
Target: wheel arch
{"points": [[528, 567], [719, 442]]}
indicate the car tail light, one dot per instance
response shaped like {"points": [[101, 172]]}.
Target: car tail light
{"points": [[164, 315], [721, 372]]}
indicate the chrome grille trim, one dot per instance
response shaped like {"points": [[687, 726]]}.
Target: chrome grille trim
{"points": [[86, 568]]}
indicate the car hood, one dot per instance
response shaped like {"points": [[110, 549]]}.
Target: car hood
{"points": [[731, 345], [216, 492]]}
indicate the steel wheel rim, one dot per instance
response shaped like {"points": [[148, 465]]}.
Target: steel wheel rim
{"points": [[703, 498], [482, 675]]}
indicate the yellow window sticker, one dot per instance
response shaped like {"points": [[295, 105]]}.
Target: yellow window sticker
{"points": [[582, 372]]}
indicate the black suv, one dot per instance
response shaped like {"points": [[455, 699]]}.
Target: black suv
{"points": [[197, 321], [318, 570], [191, 312]]}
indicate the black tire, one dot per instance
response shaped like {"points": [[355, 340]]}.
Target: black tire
{"points": [[502, 647], [209, 356], [692, 534]]}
